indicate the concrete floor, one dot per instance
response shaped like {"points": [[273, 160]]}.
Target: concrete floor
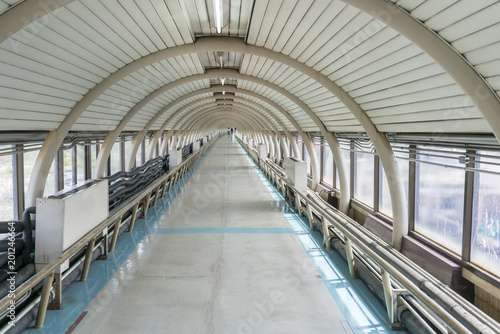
{"points": [[221, 259]]}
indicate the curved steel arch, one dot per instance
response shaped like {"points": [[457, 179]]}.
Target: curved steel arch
{"points": [[217, 88], [226, 115], [194, 123], [271, 114], [288, 134], [211, 44], [203, 108]]}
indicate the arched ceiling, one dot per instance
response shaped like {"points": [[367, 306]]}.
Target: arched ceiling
{"points": [[101, 60]]}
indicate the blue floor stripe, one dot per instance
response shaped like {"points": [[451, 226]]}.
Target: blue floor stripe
{"points": [[221, 230]]}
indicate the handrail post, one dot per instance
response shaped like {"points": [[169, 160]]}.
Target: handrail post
{"points": [[350, 257], [310, 216], [56, 302], [115, 234], [170, 181], [298, 205], [156, 195], [134, 217], [326, 233], [164, 188], [145, 206], [388, 294], [44, 300], [289, 194], [88, 258]]}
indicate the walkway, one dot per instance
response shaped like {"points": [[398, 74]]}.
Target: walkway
{"points": [[225, 254]]}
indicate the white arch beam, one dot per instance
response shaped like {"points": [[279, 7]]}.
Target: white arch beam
{"points": [[211, 44]]}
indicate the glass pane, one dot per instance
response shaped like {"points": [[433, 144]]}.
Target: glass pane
{"points": [[80, 164], [138, 156], [6, 187], [128, 148], [385, 205], [346, 154], [93, 158], [115, 156], [307, 160], [68, 168], [439, 198], [327, 165], [29, 163], [485, 247], [364, 177]]}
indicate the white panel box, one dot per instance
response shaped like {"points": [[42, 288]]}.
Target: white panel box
{"points": [[263, 151], [196, 146], [296, 172], [175, 159], [65, 217], [250, 142]]}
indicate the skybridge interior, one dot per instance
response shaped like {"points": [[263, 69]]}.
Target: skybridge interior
{"points": [[250, 166]]}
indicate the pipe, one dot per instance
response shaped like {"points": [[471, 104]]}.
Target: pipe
{"points": [[28, 234]]}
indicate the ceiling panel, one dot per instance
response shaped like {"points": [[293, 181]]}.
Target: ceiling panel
{"points": [[43, 76]]}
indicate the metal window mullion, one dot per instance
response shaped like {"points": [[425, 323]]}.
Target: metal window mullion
{"points": [[412, 171], [321, 159], [59, 170], [87, 162], [143, 152], [108, 167], [18, 182], [468, 208], [376, 184], [74, 165], [351, 172], [122, 155]]}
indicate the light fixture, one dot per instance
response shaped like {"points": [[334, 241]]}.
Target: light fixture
{"points": [[220, 54], [218, 15], [222, 81], [223, 93]]}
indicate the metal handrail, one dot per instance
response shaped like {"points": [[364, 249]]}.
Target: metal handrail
{"points": [[372, 249], [48, 271]]}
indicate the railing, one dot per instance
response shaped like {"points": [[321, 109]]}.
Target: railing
{"points": [[152, 192], [405, 284]]}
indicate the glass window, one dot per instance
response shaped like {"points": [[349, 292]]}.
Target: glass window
{"points": [[138, 156], [68, 168], [439, 197], [327, 165], [385, 203], [346, 154], [29, 163], [485, 247], [6, 187], [115, 158], [93, 158], [306, 158], [80, 164], [364, 177], [317, 149]]}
